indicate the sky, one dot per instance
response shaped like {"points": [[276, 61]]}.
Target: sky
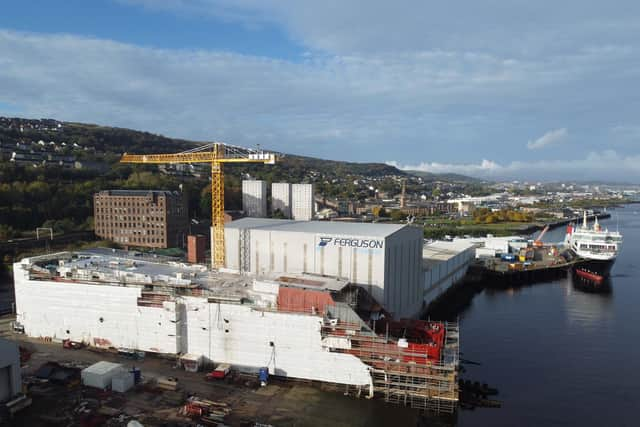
{"points": [[507, 89]]}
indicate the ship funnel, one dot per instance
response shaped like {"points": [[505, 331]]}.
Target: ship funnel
{"points": [[584, 219]]}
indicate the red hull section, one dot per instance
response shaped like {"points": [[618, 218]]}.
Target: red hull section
{"points": [[596, 278]]}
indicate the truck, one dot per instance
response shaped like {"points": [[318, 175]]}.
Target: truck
{"points": [[220, 372]]}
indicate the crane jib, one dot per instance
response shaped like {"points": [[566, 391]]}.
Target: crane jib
{"points": [[220, 153]]}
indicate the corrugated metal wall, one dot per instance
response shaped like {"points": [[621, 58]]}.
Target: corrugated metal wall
{"points": [[10, 382], [403, 276], [397, 265], [443, 275]]}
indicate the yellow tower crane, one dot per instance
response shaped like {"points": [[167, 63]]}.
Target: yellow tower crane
{"points": [[215, 154]]}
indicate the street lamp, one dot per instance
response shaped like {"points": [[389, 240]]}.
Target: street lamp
{"points": [[50, 230]]}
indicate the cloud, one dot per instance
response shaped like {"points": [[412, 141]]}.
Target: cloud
{"points": [[484, 169], [516, 29], [607, 165], [446, 104], [322, 101], [549, 138]]}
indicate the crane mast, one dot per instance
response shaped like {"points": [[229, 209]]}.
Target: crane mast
{"points": [[216, 154]]}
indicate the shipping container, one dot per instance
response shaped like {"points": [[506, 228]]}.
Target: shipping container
{"points": [[101, 374], [123, 382]]}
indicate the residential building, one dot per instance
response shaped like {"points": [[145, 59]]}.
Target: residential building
{"points": [[254, 198], [302, 202], [281, 198], [145, 218]]}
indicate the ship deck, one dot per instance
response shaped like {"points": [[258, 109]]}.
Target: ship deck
{"points": [[109, 267]]}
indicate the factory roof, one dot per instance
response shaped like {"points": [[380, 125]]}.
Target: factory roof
{"points": [[319, 227], [102, 367], [439, 251]]}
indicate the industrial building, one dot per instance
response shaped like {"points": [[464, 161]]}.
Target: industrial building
{"points": [[254, 198], [490, 246], [196, 249], [10, 377], [281, 198], [444, 264], [385, 259], [302, 202], [144, 218]]}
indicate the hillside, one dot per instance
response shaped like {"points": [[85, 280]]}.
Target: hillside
{"points": [[106, 144], [49, 171]]}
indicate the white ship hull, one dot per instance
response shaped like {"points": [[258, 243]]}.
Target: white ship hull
{"points": [[109, 316], [298, 327]]}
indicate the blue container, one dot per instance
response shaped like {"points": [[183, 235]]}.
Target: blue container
{"points": [[137, 375], [263, 375], [508, 257]]}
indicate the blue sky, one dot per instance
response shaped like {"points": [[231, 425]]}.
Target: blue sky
{"points": [[497, 89]]}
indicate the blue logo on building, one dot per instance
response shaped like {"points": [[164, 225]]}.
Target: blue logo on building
{"points": [[351, 242], [324, 241]]}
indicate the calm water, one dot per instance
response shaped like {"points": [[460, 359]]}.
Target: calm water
{"points": [[560, 356]]}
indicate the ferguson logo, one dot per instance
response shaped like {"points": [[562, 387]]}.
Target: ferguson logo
{"points": [[352, 243], [324, 241]]}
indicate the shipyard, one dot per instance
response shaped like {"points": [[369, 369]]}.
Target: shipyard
{"points": [[333, 303], [296, 325], [257, 308], [298, 213]]}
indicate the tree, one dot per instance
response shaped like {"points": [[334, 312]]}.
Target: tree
{"points": [[379, 212], [397, 215], [278, 214]]}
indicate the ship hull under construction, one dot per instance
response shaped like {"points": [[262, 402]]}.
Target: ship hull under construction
{"points": [[297, 327]]}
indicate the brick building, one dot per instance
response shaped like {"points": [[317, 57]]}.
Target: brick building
{"points": [[146, 218]]}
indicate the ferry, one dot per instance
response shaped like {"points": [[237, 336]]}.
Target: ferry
{"points": [[597, 247]]}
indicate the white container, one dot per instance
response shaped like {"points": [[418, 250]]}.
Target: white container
{"points": [[403, 343], [100, 375], [192, 362], [122, 382]]}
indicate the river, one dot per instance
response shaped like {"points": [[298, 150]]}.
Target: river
{"points": [[559, 354]]}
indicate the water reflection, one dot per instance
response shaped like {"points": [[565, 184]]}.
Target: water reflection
{"points": [[587, 303]]}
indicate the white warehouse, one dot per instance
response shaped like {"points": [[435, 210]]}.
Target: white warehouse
{"points": [[385, 259], [10, 382], [444, 264]]}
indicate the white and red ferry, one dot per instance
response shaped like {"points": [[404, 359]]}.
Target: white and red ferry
{"points": [[597, 247]]}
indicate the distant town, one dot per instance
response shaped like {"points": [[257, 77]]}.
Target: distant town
{"points": [[444, 206]]}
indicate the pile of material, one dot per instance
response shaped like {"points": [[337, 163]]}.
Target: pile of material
{"points": [[168, 383], [206, 411]]}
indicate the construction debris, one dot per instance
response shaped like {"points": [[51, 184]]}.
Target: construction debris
{"points": [[167, 383], [207, 411]]}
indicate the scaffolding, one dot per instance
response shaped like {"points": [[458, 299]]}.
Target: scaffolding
{"points": [[401, 374]]}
